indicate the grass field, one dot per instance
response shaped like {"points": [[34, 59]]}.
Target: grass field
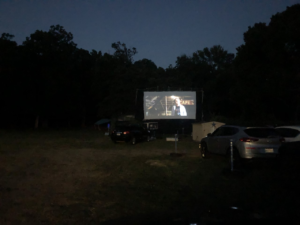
{"points": [[81, 177]]}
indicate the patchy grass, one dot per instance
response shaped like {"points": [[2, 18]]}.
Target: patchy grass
{"points": [[81, 177]]}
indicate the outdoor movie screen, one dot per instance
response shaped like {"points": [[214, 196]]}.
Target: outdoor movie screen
{"points": [[170, 105]]}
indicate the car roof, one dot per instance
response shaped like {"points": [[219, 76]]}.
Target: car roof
{"points": [[232, 126], [242, 127], [128, 125], [293, 127], [260, 127]]}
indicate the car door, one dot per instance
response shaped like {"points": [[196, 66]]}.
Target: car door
{"points": [[212, 141], [224, 139]]}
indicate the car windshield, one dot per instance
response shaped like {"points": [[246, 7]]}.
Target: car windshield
{"points": [[262, 132], [122, 128], [128, 127]]}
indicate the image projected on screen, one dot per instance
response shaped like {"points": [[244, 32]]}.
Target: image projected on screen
{"points": [[170, 105]]}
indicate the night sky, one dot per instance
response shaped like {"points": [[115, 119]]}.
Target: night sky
{"points": [[161, 30]]}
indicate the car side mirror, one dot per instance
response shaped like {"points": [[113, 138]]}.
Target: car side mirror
{"points": [[209, 134]]}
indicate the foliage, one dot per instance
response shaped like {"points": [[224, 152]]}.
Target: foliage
{"points": [[48, 79], [123, 53], [49, 60], [269, 62], [10, 79], [210, 69]]}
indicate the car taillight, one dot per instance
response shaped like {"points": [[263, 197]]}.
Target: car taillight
{"points": [[126, 132], [282, 140], [248, 139]]}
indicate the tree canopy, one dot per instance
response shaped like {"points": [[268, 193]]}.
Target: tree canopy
{"points": [[267, 68], [49, 80]]}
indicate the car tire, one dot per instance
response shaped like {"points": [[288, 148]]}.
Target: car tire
{"points": [[204, 152], [133, 140]]}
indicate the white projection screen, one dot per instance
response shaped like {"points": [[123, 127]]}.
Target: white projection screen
{"points": [[170, 105]]}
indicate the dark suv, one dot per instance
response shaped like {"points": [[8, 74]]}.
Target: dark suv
{"points": [[130, 133]]}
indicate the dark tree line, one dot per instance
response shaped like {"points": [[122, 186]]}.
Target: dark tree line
{"points": [[48, 81]]}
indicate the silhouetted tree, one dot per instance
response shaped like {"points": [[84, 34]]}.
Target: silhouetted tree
{"points": [[209, 69], [50, 56], [10, 83], [123, 53], [267, 68]]}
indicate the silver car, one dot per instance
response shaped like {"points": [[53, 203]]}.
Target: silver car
{"points": [[247, 142], [291, 135]]}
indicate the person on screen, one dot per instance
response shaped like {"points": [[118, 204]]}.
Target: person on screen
{"points": [[178, 109]]}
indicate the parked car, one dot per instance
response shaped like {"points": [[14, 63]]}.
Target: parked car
{"points": [[291, 135], [130, 133], [247, 142]]}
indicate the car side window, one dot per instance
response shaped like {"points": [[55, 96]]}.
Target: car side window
{"points": [[229, 131], [225, 131], [218, 132], [215, 132]]}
